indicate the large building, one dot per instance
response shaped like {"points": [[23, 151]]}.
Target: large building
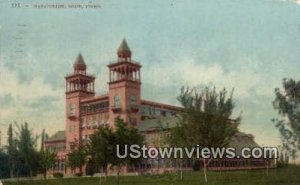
{"points": [[85, 112]]}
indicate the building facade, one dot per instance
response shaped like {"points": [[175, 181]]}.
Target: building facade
{"points": [[85, 111]]}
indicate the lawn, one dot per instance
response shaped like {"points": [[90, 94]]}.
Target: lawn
{"points": [[281, 176]]}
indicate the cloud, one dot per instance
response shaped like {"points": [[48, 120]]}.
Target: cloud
{"points": [[253, 90], [35, 102], [294, 1], [246, 81]]}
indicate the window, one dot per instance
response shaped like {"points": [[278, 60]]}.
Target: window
{"points": [[117, 101], [72, 128], [72, 109], [132, 100]]}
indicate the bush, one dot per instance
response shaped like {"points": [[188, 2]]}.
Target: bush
{"points": [[58, 175], [89, 170], [196, 165], [79, 174]]}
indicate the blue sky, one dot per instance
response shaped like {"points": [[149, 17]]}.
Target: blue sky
{"points": [[248, 45]]}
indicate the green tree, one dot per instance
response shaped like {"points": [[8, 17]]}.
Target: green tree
{"points": [[4, 165], [177, 137], [26, 150], [46, 160], [103, 145], [287, 103], [100, 147], [44, 137], [11, 150], [77, 158], [125, 135], [206, 119]]}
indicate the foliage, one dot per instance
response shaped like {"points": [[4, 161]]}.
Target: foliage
{"points": [[46, 160], [4, 165], [282, 161], [205, 120], [11, 150], [76, 158], [78, 174], [90, 169], [287, 103], [196, 165], [279, 176], [23, 158], [101, 147], [125, 135], [26, 153], [206, 117], [44, 137], [58, 175]]}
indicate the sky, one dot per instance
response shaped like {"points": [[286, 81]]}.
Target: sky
{"points": [[248, 45]]}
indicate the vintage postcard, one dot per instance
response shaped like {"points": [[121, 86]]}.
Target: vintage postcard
{"points": [[149, 92]]}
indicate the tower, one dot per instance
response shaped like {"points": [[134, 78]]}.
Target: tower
{"points": [[79, 85], [124, 87]]}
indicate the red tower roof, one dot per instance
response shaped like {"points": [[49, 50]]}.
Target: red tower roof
{"points": [[79, 63], [124, 50]]}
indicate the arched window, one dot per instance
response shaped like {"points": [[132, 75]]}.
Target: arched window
{"points": [[117, 101], [132, 100]]}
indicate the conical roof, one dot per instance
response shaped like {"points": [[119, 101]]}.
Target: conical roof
{"points": [[79, 64], [124, 46], [79, 60], [124, 50]]}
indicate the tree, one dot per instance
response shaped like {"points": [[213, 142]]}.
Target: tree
{"points": [[46, 160], [103, 145], [100, 147], [76, 158], [177, 137], [26, 150], [206, 119], [11, 150], [90, 169], [124, 135], [287, 103], [44, 137], [5, 165]]}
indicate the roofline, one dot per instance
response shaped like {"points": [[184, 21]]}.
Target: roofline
{"points": [[87, 75], [95, 98], [162, 105], [112, 64]]}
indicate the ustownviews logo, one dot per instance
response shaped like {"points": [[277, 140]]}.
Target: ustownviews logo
{"points": [[137, 151]]}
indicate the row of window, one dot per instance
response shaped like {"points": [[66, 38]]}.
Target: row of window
{"points": [[96, 118], [155, 111], [93, 121], [57, 147], [59, 165], [94, 107], [93, 125], [117, 100]]}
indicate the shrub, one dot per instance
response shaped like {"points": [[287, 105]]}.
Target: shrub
{"points": [[196, 165], [79, 174], [58, 175], [89, 170]]}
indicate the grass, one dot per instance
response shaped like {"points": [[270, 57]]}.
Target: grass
{"points": [[281, 176]]}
